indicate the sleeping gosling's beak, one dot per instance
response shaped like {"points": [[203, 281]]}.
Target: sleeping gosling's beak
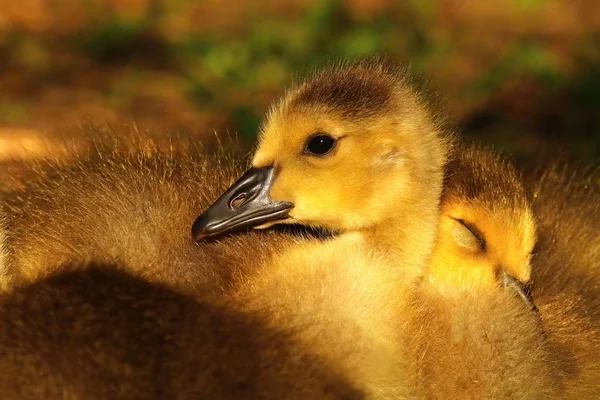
{"points": [[245, 204]]}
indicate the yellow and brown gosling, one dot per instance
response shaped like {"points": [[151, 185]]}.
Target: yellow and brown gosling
{"points": [[353, 150], [487, 230], [473, 316]]}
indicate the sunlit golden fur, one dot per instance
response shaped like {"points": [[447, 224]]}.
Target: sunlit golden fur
{"points": [[125, 204], [345, 306], [4, 284], [571, 218], [565, 273], [479, 344]]}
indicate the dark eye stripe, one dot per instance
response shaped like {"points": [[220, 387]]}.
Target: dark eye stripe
{"points": [[478, 235], [319, 144]]}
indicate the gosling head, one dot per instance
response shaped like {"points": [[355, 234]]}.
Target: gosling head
{"points": [[486, 226], [348, 149]]}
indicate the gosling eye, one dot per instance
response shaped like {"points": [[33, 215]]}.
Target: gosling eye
{"points": [[466, 235], [320, 144]]}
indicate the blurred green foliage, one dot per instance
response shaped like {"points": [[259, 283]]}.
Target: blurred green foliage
{"points": [[112, 39]]}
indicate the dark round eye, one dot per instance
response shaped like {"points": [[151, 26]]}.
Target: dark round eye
{"points": [[320, 144]]}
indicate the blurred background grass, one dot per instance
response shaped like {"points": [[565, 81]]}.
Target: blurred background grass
{"points": [[522, 74]]}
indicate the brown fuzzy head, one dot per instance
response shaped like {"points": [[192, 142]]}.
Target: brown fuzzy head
{"points": [[487, 224], [350, 146]]}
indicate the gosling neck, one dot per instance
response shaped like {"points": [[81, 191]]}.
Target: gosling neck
{"points": [[407, 237]]}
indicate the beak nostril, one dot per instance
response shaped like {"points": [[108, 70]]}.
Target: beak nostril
{"points": [[238, 201], [246, 204]]}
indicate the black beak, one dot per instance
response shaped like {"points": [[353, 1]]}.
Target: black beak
{"points": [[244, 205]]}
